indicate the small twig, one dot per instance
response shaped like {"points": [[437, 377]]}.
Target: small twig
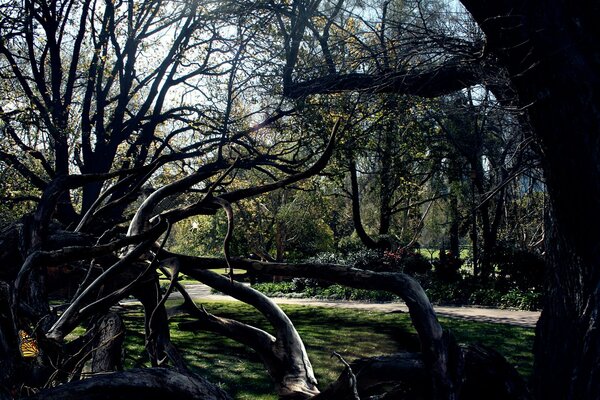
{"points": [[351, 377]]}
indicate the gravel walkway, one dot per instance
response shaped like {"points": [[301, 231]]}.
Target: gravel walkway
{"points": [[520, 318]]}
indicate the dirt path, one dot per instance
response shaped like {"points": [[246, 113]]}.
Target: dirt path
{"points": [[520, 318]]}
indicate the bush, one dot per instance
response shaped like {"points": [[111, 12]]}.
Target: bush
{"points": [[350, 244], [486, 297], [272, 288], [447, 266], [470, 291], [517, 267], [522, 300], [301, 287]]}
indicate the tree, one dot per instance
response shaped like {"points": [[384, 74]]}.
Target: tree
{"points": [[108, 119], [128, 118], [550, 63], [488, 150], [556, 72]]}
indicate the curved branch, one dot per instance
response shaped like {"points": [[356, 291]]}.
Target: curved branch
{"points": [[356, 218], [286, 360], [434, 342], [227, 240], [313, 170], [251, 336]]}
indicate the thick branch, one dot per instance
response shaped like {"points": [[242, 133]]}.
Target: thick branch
{"points": [[287, 361], [453, 75], [434, 342], [137, 383]]}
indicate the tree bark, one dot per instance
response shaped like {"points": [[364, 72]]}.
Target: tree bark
{"points": [[551, 52], [285, 357], [107, 344], [153, 383], [9, 343], [439, 351]]}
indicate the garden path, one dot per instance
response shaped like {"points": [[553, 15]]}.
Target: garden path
{"points": [[512, 317]]}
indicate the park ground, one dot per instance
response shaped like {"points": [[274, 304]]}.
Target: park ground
{"points": [[526, 319]]}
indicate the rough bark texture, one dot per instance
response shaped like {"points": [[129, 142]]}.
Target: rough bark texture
{"points": [[9, 353], [107, 344], [153, 383], [552, 54]]}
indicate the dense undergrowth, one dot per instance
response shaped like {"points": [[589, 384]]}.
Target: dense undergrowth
{"points": [[445, 283]]}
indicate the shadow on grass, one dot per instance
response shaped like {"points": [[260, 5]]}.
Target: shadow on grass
{"points": [[352, 333]]}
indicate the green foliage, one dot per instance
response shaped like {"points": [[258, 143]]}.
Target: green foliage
{"points": [[350, 244], [287, 224], [203, 235], [14, 196], [300, 222], [471, 292], [522, 300], [312, 288], [275, 288], [358, 259]]}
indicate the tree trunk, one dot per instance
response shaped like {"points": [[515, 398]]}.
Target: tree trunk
{"points": [[107, 344], [454, 227], [364, 237], [9, 353], [553, 57]]}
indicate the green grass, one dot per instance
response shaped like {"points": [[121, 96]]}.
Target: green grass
{"points": [[186, 280], [352, 333]]}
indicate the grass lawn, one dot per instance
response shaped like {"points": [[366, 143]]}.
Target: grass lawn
{"points": [[352, 333], [186, 280]]}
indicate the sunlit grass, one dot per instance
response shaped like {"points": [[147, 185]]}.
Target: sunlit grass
{"points": [[186, 280], [352, 333]]}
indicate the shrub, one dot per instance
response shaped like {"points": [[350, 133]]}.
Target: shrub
{"points": [[272, 288], [350, 244], [518, 267], [470, 291], [486, 297], [299, 286], [522, 300]]}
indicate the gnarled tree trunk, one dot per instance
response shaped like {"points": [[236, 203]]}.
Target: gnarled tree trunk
{"points": [[552, 54]]}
